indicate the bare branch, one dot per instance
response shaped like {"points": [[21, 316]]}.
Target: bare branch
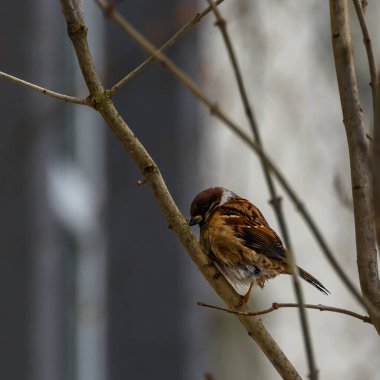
{"points": [[360, 8], [222, 24], [375, 86], [376, 164], [275, 199], [42, 90], [109, 9], [364, 4], [77, 32], [276, 306], [214, 109], [359, 164]]}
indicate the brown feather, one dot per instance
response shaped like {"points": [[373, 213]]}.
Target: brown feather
{"points": [[235, 234]]}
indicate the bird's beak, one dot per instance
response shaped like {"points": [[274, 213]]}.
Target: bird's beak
{"points": [[195, 220]]}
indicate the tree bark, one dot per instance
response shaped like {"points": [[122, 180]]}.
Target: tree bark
{"points": [[359, 158]]}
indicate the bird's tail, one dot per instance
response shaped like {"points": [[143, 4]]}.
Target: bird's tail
{"points": [[312, 280]]}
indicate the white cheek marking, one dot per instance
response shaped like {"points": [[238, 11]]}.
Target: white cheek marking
{"points": [[226, 196]]}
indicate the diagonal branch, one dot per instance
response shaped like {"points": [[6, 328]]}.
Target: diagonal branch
{"points": [[42, 90], [359, 162], [276, 306], [214, 109], [107, 8], [276, 200], [364, 4], [77, 31]]}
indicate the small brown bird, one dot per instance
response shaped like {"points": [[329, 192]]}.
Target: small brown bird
{"points": [[236, 236]]}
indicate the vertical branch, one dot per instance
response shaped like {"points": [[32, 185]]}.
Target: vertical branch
{"points": [[368, 47], [376, 163], [275, 199], [375, 86], [359, 163]]}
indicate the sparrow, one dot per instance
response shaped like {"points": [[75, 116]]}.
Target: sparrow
{"points": [[239, 241]]}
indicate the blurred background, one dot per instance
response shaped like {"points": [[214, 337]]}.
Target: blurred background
{"points": [[93, 284]]}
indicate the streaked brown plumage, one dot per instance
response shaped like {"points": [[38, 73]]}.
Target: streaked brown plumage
{"points": [[235, 234]]}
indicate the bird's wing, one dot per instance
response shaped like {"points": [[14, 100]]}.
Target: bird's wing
{"points": [[251, 228], [261, 239]]}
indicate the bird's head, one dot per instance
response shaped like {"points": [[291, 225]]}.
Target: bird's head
{"points": [[206, 202]]}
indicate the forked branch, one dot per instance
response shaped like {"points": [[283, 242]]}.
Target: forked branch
{"points": [[107, 8]]}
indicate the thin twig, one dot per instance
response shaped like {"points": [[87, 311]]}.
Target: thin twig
{"points": [[276, 306], [214, 109], [77, 31], [179, 74], [222, 24], [42, 90], [375, 87], [275, 199], [368, 47], [107, 9]]}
